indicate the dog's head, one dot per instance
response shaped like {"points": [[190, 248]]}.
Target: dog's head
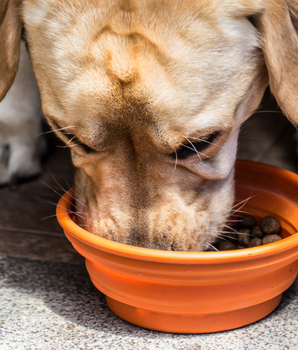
{"points": [[150, 95]]}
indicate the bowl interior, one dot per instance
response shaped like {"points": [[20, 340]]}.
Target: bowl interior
{"points": [[266, 190]]}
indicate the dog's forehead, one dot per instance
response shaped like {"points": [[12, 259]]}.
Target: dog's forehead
{"points": [[188, 62]]}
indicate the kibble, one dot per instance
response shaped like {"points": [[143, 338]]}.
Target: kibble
{"points": [[255, 242], [226, 245], [270, 239], [257, 232], [244, 237], [270, 225], [246, 221], [252, 235]]}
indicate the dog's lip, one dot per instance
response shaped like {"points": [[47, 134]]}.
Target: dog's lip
{"points": [[224, 257]]}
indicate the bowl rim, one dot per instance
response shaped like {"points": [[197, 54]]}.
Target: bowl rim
{"points": [[62, 213]]}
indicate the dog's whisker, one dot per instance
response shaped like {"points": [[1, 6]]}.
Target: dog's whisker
{"points": [[205, 141], [218, 235], [67, 183], [45, 201], [63, 189], [225, 211], [69, 141], [235, 231], [55, 215], [53, 177], [70, 202], [219, 231], [70, 212], [193, 147], [241, 204], [244, 201], [56, 205], [209, 245], [237, 211], [68, 146], [176, 160], [233, 212], [53, 130], [228, 232], [51, 188], [240, 212], [230, 228]]}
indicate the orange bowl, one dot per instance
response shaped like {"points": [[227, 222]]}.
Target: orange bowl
{"points": [[201, 292]]}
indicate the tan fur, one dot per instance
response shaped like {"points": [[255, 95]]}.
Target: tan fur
{"points": [[10, 39], [134, 80], [280, 43]]}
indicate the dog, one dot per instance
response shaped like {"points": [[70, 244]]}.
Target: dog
{"points": [[149, 96]]}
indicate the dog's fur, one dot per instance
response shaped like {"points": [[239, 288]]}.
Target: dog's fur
{"points": [[127, 84]]}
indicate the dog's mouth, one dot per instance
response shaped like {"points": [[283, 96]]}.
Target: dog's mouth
{"points": [[175, 235]]}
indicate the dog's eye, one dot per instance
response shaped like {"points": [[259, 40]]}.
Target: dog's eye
{"points": [[74, 141], [70, 139], [195, 146], [77, 142]]}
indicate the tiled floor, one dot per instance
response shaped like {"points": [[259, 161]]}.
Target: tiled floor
{"points": [[28, 227]]}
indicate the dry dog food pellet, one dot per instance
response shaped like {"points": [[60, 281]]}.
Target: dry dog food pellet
{"points": [[246, 221], [257, 232], [244, 237], [251, 235], [255, 242], [270, 225], [226, 245], [270, 239]]}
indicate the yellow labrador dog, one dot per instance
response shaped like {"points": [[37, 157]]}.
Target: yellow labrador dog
{"points": [[150, 96]]}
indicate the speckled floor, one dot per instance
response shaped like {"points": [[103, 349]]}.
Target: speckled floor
{"points": [[51, 306], [46, 298]]}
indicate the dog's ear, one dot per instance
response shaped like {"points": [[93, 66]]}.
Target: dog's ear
{"points": [[278, 25], [10, 40]]}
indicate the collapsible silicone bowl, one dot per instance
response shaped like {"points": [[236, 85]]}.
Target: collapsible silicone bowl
{"points": [[186, 292]]}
